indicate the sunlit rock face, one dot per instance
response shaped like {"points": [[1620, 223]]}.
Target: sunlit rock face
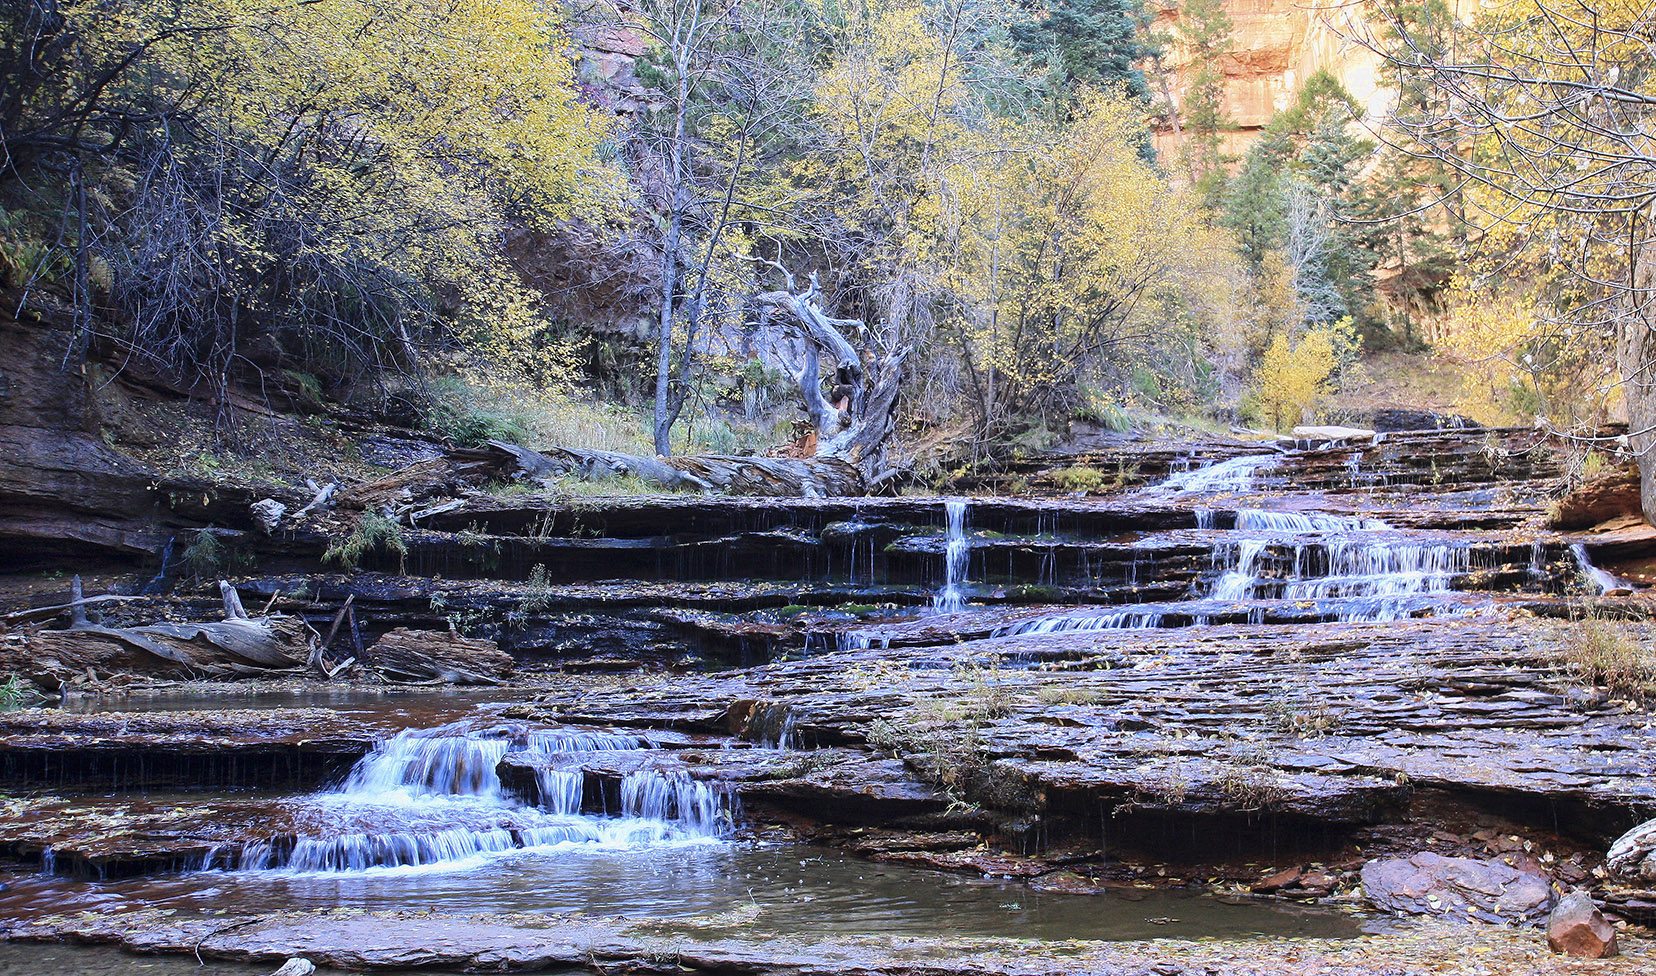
{"points": [[1277, 45]]}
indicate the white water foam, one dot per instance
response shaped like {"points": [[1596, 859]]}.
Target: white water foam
{"points": [[1597, 578], [957, 558], [1234, 475], [433, 799]]}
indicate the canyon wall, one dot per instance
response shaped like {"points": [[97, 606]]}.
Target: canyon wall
{"points": [[1275, 46]]}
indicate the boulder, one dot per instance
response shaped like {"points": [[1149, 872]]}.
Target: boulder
{"points": [[1332, 433], [1457, 887], [1599, 500], [1394, 419], [1577, 928], [1633, 856], [268, 514], [427, 655]]}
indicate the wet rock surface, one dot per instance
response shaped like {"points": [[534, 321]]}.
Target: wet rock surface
{"points": [[389, 941], [1315, 675]]}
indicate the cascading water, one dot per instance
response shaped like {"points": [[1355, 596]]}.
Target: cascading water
{"points": [[957, 558], [429, 797], [1597, 578], [1259, 520], [1234, 475], [1135, 619], [1350, 567]]}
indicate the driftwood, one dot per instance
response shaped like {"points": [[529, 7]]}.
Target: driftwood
{"points": [[765, 476], [236, 645], [426, 655], [856, 422]]}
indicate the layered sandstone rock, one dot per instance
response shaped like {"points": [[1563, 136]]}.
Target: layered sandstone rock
{"points": [[1275, 46]]}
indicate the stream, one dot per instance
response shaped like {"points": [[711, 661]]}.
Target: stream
{"points": [[702, 789]]}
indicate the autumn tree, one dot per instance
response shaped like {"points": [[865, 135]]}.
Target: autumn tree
{"points": [[1296, 376], [260, 183], [1544, 112]]}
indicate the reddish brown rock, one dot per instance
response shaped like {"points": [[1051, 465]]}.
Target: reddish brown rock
{"points": [[1282, 879], [1577, 928], [1599, 500]]}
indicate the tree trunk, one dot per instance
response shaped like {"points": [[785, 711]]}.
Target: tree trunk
{"points": [[1637, 355], [858, 434], [664, 331]]}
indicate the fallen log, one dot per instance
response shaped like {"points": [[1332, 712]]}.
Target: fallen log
{"points": [[427, 655], [819, 477], [236, 645]]}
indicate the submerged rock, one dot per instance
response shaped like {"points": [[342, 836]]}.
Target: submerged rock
{"points": [[1577, 928], [1458, 888]]}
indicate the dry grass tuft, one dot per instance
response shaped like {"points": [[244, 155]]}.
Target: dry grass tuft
{"points": [[1609, 654]]}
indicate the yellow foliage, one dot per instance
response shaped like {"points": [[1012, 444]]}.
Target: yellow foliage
{"points": [[371, 153], [1295, 378]]}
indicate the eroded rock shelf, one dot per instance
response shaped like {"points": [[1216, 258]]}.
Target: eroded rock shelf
{"points": [[1258, 672]]}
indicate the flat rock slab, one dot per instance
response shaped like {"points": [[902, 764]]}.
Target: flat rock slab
{"points": [[1338, 723], [1457, 888], [401, 941]]}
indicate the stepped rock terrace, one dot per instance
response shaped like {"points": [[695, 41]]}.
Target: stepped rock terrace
{"points": [[780, 734]]}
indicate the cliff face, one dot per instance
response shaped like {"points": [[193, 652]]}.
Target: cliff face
{"points": [[1275, 46]]}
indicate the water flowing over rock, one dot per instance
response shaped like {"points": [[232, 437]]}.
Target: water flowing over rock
{"points": [[1234, 475], [1308, 659], [434, 796], [957, 557], [1597, 578]]}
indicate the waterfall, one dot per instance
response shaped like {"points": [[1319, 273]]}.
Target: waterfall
{"points": [[1339, 568], [1598, 578], [1236, 474], [1358, 575], [1259, 520], [427, 797], [1083, 622], [957, 557]]}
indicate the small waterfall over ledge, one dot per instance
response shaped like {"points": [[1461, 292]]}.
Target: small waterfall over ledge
{"points": [[957, 558], [430, 797], [1234, 475], [1597, 578], [1307, 564]]}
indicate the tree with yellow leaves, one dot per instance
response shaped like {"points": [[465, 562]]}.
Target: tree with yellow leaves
{"points": [[1544, 115], [327, 182], [1295, 378]]}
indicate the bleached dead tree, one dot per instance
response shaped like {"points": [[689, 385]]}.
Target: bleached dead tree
{"points": [[856, 425]]}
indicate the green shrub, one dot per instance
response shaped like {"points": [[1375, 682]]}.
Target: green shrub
{"points": [[1079, 478], [453, 414], [16, 693], [208, 556], [373, 532]]}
